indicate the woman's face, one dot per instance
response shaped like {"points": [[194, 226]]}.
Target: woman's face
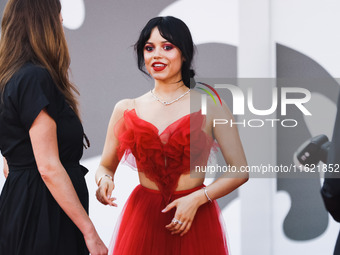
{"points": [[163, 60]]}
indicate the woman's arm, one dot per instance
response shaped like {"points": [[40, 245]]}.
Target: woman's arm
{"points": [[43, 134], [109, 161], [5, 167], [231, 147], [230, 144]]}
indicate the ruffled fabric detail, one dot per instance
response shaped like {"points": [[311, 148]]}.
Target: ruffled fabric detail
{"points": [[163, 157]]}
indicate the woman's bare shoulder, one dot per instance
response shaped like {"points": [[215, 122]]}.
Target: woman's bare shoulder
{"points": [[128, 104], [124, 104]]}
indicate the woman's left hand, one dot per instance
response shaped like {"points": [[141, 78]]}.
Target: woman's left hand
{"points": [[186, 208]]}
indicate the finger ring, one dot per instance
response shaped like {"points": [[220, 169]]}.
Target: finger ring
{"points": [[179, 222], [175, 221]]}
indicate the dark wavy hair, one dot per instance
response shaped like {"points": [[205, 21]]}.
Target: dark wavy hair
{"points": [[175, 31]]}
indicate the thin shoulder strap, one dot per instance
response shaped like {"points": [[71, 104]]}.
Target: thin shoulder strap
{"points": [[135, 105]]}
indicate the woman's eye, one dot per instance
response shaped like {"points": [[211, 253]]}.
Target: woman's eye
{"points": [[168, 47], [148, 48]]}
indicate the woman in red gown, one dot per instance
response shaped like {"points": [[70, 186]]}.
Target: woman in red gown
{"points": [[171, 212]]}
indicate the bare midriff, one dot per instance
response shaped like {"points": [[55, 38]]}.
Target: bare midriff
{"points": [[185, 182]]}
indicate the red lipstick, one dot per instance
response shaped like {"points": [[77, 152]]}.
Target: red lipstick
{"points": [[158, 66]]}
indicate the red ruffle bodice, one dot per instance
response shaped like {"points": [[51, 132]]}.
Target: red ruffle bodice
{"points": [[163, 157]]}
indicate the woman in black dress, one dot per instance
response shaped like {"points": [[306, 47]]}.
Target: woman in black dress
{"points": [[44, 202]]}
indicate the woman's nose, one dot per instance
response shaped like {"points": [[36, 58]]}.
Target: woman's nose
{"points": [[157, 52]]}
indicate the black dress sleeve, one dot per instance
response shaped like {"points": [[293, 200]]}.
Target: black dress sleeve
{"points": [[35, 91]]}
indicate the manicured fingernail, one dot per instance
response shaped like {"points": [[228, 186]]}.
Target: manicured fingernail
{"points": [[163, 210]]}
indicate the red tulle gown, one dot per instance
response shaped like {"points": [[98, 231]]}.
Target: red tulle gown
{"points": [[163, 158]]}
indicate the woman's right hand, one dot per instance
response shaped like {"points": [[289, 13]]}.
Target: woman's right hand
{"points": [[104, 192], [94, 244]]}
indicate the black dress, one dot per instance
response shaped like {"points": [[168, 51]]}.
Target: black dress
{"points": [[31, 221]]}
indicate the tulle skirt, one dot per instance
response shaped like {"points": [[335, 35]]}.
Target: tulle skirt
{"points": [[141, 228]]}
